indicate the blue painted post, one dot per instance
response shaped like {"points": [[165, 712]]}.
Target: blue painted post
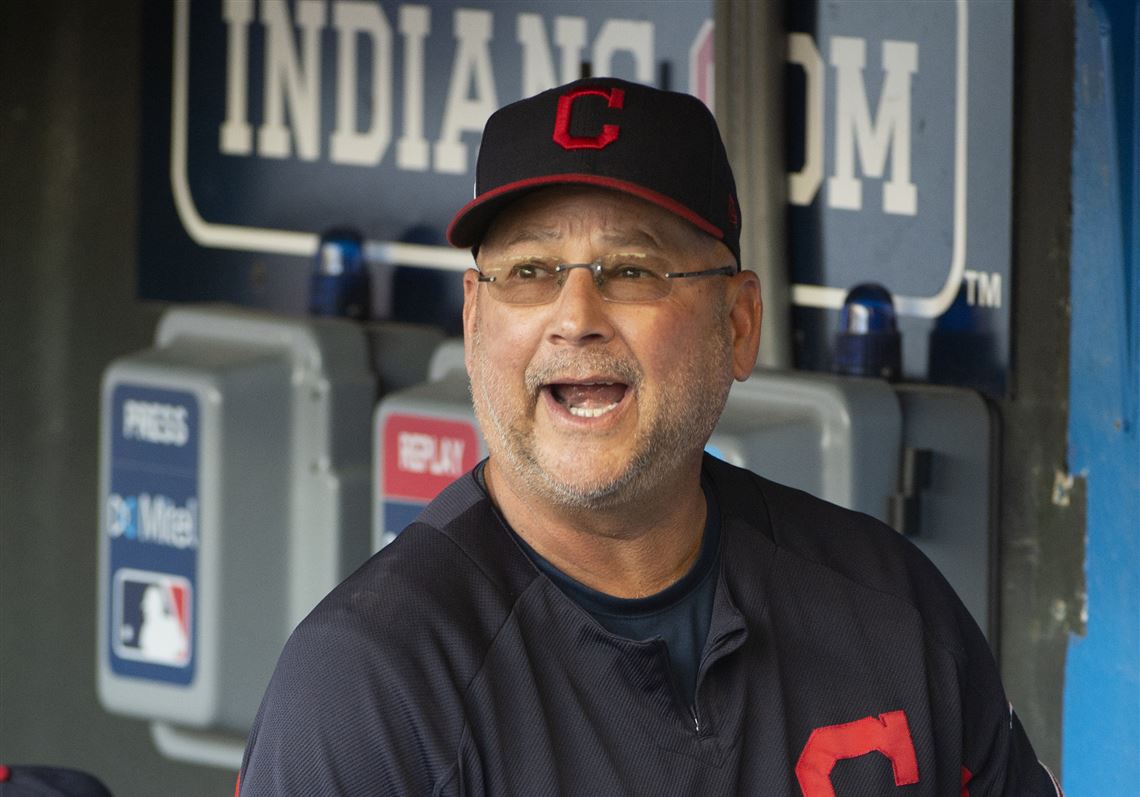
{"points": [[1101, 723]]}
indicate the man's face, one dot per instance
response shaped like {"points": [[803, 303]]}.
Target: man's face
{"points": [[590, 403]]}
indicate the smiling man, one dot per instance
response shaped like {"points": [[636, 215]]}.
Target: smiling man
{"points": [[599, 608]]}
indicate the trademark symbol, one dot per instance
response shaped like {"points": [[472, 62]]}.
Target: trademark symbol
{"points": [[983, 288]]}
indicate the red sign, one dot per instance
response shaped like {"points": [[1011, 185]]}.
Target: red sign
{"points": [[422, 455]]}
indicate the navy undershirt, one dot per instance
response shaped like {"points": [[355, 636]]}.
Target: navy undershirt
{"points": [[679, 615]]}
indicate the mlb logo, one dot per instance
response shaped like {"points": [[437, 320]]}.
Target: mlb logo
{"points": [[152, 617]]}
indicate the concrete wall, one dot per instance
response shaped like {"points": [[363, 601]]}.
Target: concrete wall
{"points": [[69, 83], [1041, 530]]}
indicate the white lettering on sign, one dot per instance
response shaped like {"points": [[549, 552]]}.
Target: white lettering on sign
{"points": [[352, 21], [236, 136], [427, 453], [983, 288], [163, 522], [625, 35], [153, 422], [153, 519], [538, 64], [291, 78], [804, 184], [412, 148], [855, 130], [463, 113], [866, 145]]}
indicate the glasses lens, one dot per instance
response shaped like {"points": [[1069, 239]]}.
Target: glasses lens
{"points": [[629, 278], [530, 281], [620, 278]]}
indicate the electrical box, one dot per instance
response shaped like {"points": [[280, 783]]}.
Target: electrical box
{"points": [[234, 493], [424, 438], [836, 438]]}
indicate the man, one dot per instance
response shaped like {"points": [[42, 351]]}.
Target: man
{"points": [[599, 608]]}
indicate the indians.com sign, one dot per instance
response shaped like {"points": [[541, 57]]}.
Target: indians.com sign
{"points": [[388, 99], [867, 141]]}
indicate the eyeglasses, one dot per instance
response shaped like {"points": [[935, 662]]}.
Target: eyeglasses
{"points": [[628, 279]]}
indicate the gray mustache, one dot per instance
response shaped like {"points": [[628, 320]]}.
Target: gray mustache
{"points": [[579, 366]]}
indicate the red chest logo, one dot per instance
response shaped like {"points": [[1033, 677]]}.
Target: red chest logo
{"points": [[615, 98], [888, 734]]}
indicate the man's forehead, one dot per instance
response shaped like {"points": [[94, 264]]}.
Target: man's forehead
{"points": [[619, 236]]}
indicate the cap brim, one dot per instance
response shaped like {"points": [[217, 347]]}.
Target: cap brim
{"points": [[470, 223]]}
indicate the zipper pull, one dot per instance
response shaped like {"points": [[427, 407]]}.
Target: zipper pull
{"points": [[696, 719]]}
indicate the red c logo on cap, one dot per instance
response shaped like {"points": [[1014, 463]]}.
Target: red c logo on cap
{"points": [[609, 134]]}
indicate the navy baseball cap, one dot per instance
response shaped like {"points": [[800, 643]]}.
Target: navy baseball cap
{"points": [[661, 146]]}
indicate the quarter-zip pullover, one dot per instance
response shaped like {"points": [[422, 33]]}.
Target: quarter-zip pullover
{"points": [[838, 661]]}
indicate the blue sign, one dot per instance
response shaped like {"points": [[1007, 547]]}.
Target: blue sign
{"points": [[268, 122], [900, 135], [151, 526]]}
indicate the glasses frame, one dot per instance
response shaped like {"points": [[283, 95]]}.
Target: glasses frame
{"points": [[596, 269]]}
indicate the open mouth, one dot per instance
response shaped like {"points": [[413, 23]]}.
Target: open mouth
{"points": [[588, 399]]}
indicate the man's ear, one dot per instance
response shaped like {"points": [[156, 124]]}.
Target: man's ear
{"points": [[470, 298], [745, 312]]}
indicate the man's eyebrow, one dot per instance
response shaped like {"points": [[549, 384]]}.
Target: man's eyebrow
{"points": [[631, 238], [531, 235]]}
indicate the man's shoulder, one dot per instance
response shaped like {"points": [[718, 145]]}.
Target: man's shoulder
{"points": [[815, 541], [799, 522], [378, 671], [452, 572]]}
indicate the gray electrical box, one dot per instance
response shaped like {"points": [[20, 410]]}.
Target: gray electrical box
{"points": [[949, 477], [234, 493], [833, 437], [424, 438]]}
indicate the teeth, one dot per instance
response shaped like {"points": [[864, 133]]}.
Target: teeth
{"points": [[596, 412]]}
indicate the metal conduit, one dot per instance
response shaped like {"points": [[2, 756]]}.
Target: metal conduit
{"points": [[749, 105]]}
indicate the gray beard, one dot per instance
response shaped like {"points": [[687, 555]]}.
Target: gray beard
{"points": [[701, 384]]}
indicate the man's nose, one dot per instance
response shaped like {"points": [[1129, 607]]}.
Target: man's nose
{"points": [[579, 313]]}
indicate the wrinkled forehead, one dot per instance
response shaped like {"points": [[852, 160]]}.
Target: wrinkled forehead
{"points": [[558, 216]]}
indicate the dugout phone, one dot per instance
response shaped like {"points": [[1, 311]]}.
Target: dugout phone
{"points": [[234, 494]]}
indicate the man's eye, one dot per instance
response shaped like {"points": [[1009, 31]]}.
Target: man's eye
{"points": [[629, 272], [530, 271]]}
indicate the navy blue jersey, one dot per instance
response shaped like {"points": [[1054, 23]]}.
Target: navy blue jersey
{"points": [[838, 661], [678, 615]]}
